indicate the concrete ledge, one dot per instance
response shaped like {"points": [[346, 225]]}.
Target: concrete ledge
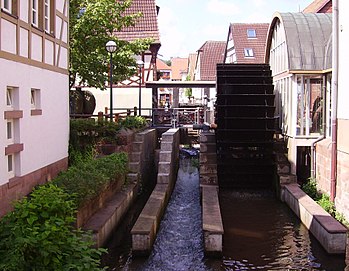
{"points": [[106, 220], [331, 234], [147, 225], [212, 221]]}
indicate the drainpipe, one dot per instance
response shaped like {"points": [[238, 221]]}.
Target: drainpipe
{"points": [[335, 32], [312, 158]]}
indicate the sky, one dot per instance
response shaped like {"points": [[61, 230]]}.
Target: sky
{"points": [[185, 25]]}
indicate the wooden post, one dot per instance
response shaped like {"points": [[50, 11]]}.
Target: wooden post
{"points": [[100, 116], [116, 117], [135, 111], [128, 112]]}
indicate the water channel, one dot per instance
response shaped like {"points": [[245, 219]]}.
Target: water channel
{"points": [[261, 233]]}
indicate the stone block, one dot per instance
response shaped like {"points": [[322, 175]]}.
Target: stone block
{"points": [[137, 146], [207, 137], [207, 147], [287, 178], [208, 179], [165, 167], [165, 156], [166, 146], [209, 158], [164, 178], [208, 169], [135, 157], [134, 167]]}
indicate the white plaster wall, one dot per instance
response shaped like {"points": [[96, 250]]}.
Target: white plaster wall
{"points": [[45, 137], [49, 53], [122, 98], [8, 36], [23, 12], [343, 93], [36, 47], [62, 61], [24, 34]]}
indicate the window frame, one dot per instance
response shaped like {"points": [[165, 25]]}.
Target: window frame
{"points": [[10, 131], [11, 165], [9, 97], [35, 12], [47, 15], [8, 3], [248, 52], [250, 31]]}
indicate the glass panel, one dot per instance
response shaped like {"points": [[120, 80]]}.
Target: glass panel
{"points": [[248, 52], [9, 130], [10, 163], [32, 100], [251, 33], [9, 97]]}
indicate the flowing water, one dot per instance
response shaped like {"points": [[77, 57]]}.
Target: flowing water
{"points": [[260, 234]]}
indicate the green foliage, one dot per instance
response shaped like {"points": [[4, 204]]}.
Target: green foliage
{"points": [[188, 91], [327, 204], [38, 235], [133, 122], [92, 23], [87, 180], [85, 134], [195, 162], [310, 188]]}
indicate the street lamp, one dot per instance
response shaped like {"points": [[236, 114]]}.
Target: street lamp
{"points": [[111, 48], [140, 65]]}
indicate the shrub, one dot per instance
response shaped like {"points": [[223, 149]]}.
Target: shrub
{"points": [[133, 122], [38, 235], [86, 180], [310, 188]]}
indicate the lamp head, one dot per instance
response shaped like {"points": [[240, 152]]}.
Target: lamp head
{"points": [[111, 46]]}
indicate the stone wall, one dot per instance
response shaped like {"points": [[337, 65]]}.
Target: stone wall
{"points": [[19, 187]]}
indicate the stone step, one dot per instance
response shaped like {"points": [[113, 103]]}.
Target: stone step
{"points": [[287, 179]]}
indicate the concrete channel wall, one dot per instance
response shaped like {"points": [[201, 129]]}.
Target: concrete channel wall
{"points": [[212, 224], [146, 227], [331, 234], [141, 166]]}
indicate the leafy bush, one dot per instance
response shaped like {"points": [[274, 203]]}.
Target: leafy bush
{"points": [[86, 180], [38, 235], [310, 188], [133, 122]]}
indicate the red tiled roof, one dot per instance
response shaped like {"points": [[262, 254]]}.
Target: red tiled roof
{"points": [[238, 32], [161, 65], [319, 6], [211, 53], [146, 26], [179, 66]]}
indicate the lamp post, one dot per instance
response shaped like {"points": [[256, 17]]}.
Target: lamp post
{"points": [[111, 48], [140, 65]]}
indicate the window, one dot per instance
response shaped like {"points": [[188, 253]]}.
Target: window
{"points": [[35, 12], [9, 131], [35, 98], [9, 97], [47, 15], [10, 166], [248, 52], [7, 5], [251, 33]]}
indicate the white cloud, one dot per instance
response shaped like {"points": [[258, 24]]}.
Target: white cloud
{"points": [[223, 7]]}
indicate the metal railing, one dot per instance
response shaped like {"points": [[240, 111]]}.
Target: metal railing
{"points": [[167, 117]]}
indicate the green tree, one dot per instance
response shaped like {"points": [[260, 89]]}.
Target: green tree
{"points": [[188, 91], [92, 24]]}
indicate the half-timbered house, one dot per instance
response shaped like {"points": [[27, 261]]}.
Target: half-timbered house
{"points": [[34, 95]]}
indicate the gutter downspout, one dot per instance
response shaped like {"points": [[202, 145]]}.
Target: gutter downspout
{"points": [[335, 31], [312, 158]]}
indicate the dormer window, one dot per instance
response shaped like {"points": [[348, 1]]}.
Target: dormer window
{"points": [[248, 52], [251, 33]]}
